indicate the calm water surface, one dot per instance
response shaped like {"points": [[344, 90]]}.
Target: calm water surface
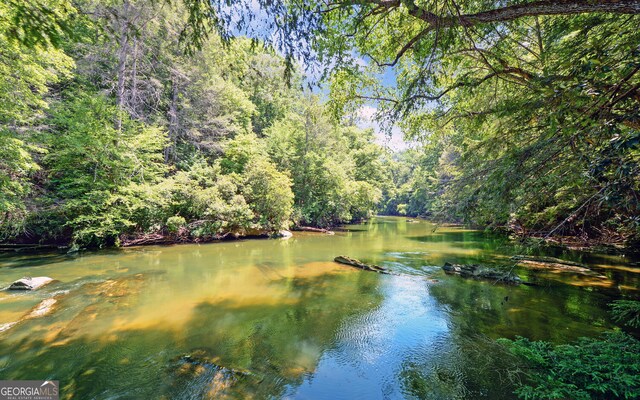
{"points": [[278, 319]]}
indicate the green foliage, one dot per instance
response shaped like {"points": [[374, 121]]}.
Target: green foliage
{"points": [[337, 170], [27, 69], [209, 201], [268, 191], [240, 152], [109, 131], [87, 151], [542, 112], [37, 22], [90, 161], [175, 223], [626, 312], [589, 369], [16, 164], [401, 209]]}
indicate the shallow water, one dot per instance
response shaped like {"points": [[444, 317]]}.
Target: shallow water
{"points": [[278, 319]]}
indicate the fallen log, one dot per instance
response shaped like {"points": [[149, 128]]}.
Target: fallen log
{"points": [[359, 264], [312, 229], [555, 264], [477, 272], [547, 260]]}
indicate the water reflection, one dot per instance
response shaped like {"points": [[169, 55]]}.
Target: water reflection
{"points": [[295, 324]]}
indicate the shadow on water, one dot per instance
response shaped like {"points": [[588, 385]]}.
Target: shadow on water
{"points": [[8, 260]]}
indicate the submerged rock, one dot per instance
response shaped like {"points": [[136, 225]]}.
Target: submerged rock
{"points": [[7, 326], [29, 283], [43, 308], [199, 375], [359, 264], [478, 272]]}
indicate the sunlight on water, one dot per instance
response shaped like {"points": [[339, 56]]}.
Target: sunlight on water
{"points": [[278, 318]]}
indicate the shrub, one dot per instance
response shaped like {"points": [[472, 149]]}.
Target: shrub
{"points": [[626, 312], [175, 223], [591, 368]]}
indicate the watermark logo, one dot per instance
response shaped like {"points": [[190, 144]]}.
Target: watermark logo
{"points": [[29, 390]]}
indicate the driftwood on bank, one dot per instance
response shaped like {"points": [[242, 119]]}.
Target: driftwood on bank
{"points": [[359, 264], [478, 272]]}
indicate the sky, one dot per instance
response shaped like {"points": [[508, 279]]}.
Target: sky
{"points": [[394, 141]]}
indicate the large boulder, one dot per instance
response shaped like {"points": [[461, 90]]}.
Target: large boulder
{"points": [[28, 283]]}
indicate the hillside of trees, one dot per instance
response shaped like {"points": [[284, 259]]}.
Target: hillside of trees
{"points": [[119, 131], [124, 119]]}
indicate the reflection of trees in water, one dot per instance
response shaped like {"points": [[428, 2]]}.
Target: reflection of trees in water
{"points": [[558, 314], [278, 343], [473, 367], [473, 364], [281, 343]]}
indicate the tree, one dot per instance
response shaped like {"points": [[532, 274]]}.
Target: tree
{"points": [[334, 167], [26, 73], [91, 162]]}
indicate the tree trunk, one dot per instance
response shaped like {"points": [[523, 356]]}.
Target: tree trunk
{"points": [[174, 123], [123, 44]]}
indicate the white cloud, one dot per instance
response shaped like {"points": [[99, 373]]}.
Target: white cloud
{"points": [[367, 113], [394, 141]]}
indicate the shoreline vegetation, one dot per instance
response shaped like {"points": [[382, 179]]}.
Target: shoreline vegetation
{"points": [[181, 237]]}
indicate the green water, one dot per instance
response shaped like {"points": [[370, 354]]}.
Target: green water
{"points": [[291, 323]]}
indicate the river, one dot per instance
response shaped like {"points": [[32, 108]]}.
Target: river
{"points": [[278, 319]]}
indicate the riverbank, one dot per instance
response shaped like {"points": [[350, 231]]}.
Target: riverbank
{"points": [[575, 243], [161, 238]]}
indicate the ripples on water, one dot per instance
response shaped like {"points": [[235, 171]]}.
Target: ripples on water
{"points": [[278, 319]]}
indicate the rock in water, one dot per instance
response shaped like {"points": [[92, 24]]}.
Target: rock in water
{"points": [[359, 264], [477, 272], [29, 283], [43, 308]]}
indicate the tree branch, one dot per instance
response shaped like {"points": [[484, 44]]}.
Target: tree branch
{"points": [[535, 8]]}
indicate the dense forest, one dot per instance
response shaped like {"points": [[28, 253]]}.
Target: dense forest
{"points": [[126, 120], [121, 134], [132, 122]]}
